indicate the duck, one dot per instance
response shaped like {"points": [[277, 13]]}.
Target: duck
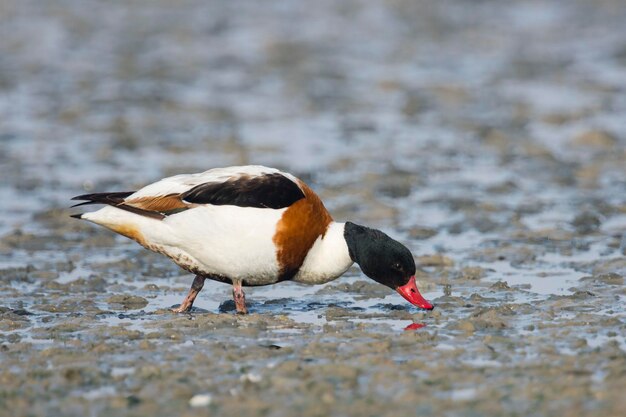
{"points": [[250, 226]]}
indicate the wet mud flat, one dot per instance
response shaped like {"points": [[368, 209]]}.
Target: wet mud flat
{"points": [[489, 138], [95, 335]]}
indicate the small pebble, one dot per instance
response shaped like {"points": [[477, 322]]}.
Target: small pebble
{"points": [[200, 400], [253, 378]]}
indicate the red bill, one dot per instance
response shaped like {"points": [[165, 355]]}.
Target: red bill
{"points": [[410, 292]]}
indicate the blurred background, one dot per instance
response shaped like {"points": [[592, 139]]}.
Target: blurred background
{"points": [[488, 136], [452, 96]]}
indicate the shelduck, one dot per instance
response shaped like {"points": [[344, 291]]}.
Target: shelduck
{"points": [[251, 226]]}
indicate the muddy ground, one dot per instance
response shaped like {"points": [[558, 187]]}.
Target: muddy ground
{"points": [[487, 136]]}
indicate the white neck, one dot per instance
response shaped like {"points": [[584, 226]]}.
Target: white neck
{"points": [[327, 259]]}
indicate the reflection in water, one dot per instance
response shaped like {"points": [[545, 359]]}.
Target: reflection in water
{"points": [[414, 326]]}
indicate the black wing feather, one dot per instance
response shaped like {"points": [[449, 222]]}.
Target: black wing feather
{"points": [[117, 200], [266, 191], [103, 198]]}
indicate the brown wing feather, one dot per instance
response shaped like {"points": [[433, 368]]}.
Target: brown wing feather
{"points": [[162, 203]]}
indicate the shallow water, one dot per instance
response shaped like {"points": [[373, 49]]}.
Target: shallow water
{"points": [[487, 137]]}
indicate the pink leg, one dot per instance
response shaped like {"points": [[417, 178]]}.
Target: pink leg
{"points": [[187, 303], [240, 298]]}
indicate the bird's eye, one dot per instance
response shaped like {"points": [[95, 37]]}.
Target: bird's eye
{"points": [[397, 266]]}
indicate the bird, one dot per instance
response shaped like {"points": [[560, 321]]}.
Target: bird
{"points": [[250, 226]]}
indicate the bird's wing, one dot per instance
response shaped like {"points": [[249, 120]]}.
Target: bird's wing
{"points": [[246, 186]]}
